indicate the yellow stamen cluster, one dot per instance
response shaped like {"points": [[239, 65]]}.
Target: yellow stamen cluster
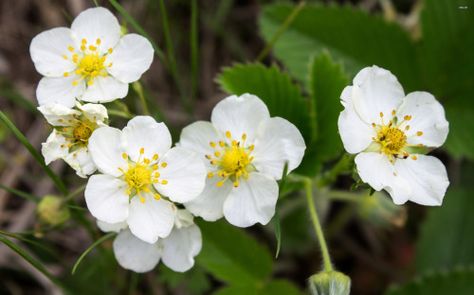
{"points": [[232, 159], [89, 62], [141, 175], [78, 131], [391, 137]]}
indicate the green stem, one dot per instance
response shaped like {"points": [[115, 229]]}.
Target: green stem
{"points": [[194, 50], [137, 86], [344, 196], [75, 193], [89, 249], [281, 30], [171, 56], [22, 138], [317, 225], [343, 165]]}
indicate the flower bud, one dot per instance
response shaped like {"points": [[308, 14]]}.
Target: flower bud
{"points": [[379, 210], [330, 283], [52, 211]]}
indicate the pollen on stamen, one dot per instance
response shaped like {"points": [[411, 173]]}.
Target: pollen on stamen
{"points": [[407, 118], [208, 157], [414, 157], [142, 151], [66, 74], [164, 164], [381, 114], [110, 50], [124, 156], [154, 167], [236, 183], [244, 136], [407, 127], [373, 125], [155, 157], [394, 112], [70, 48], [212, 144], [142, 199], [210, 175], [146, 161], [83, 41], [74, 83], [92, 48], [419, 133], [157, 196], [164, 182], [98, 41], [221, 143], [217, 154], [220, 183], [64, 56], [228, 134]]}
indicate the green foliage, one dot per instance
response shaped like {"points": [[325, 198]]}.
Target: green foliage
{"points": [[90, 248], [459, 282], [282, 97], [194, 281], [352, 36], [447, 64], [327, 80], [446, 236], [276, 287], [232, 256]]}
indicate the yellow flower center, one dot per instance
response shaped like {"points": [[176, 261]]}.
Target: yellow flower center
{"points": [[231, 158], [391, 138], [141, 175], [83, 131], [90, 64]]}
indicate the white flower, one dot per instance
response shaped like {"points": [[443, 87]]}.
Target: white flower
{"points": [[177, 250], [387, 130], [139, 171], [70, 136], [246, 152], [91, 61]]}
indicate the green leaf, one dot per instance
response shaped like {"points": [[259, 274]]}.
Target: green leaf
{"points": [[459, 282], [231, 255], [282, 97], [327, 80], [446, 238], [20, 194], [276, 287], [353, 37], [448, 65], [35, 263], [57, 181]]}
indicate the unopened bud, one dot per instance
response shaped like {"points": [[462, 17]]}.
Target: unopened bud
{"points": [[379, 210], [330, 283], [52, 211]]}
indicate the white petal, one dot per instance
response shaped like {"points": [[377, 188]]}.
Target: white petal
{"points": [[427, 116], [197, 136], [134, 254], [427, 178], [111, 227], [346, 96], [356, 135], [210, 203], [131, 58], [376, 170], [144, 132], [47, 50], [239, 115], [180, 248], [57, 114], [183, 218], [106, 150], [185, 174], [376, 90], [54, 148], [278, 141], [59, 90], [106, 198], [94, 112], [81, 161], [96, 23], [105, 89], [152, 219], [253, 201]]}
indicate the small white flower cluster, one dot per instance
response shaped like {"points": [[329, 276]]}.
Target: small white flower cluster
{"points": [[146, 190]]}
